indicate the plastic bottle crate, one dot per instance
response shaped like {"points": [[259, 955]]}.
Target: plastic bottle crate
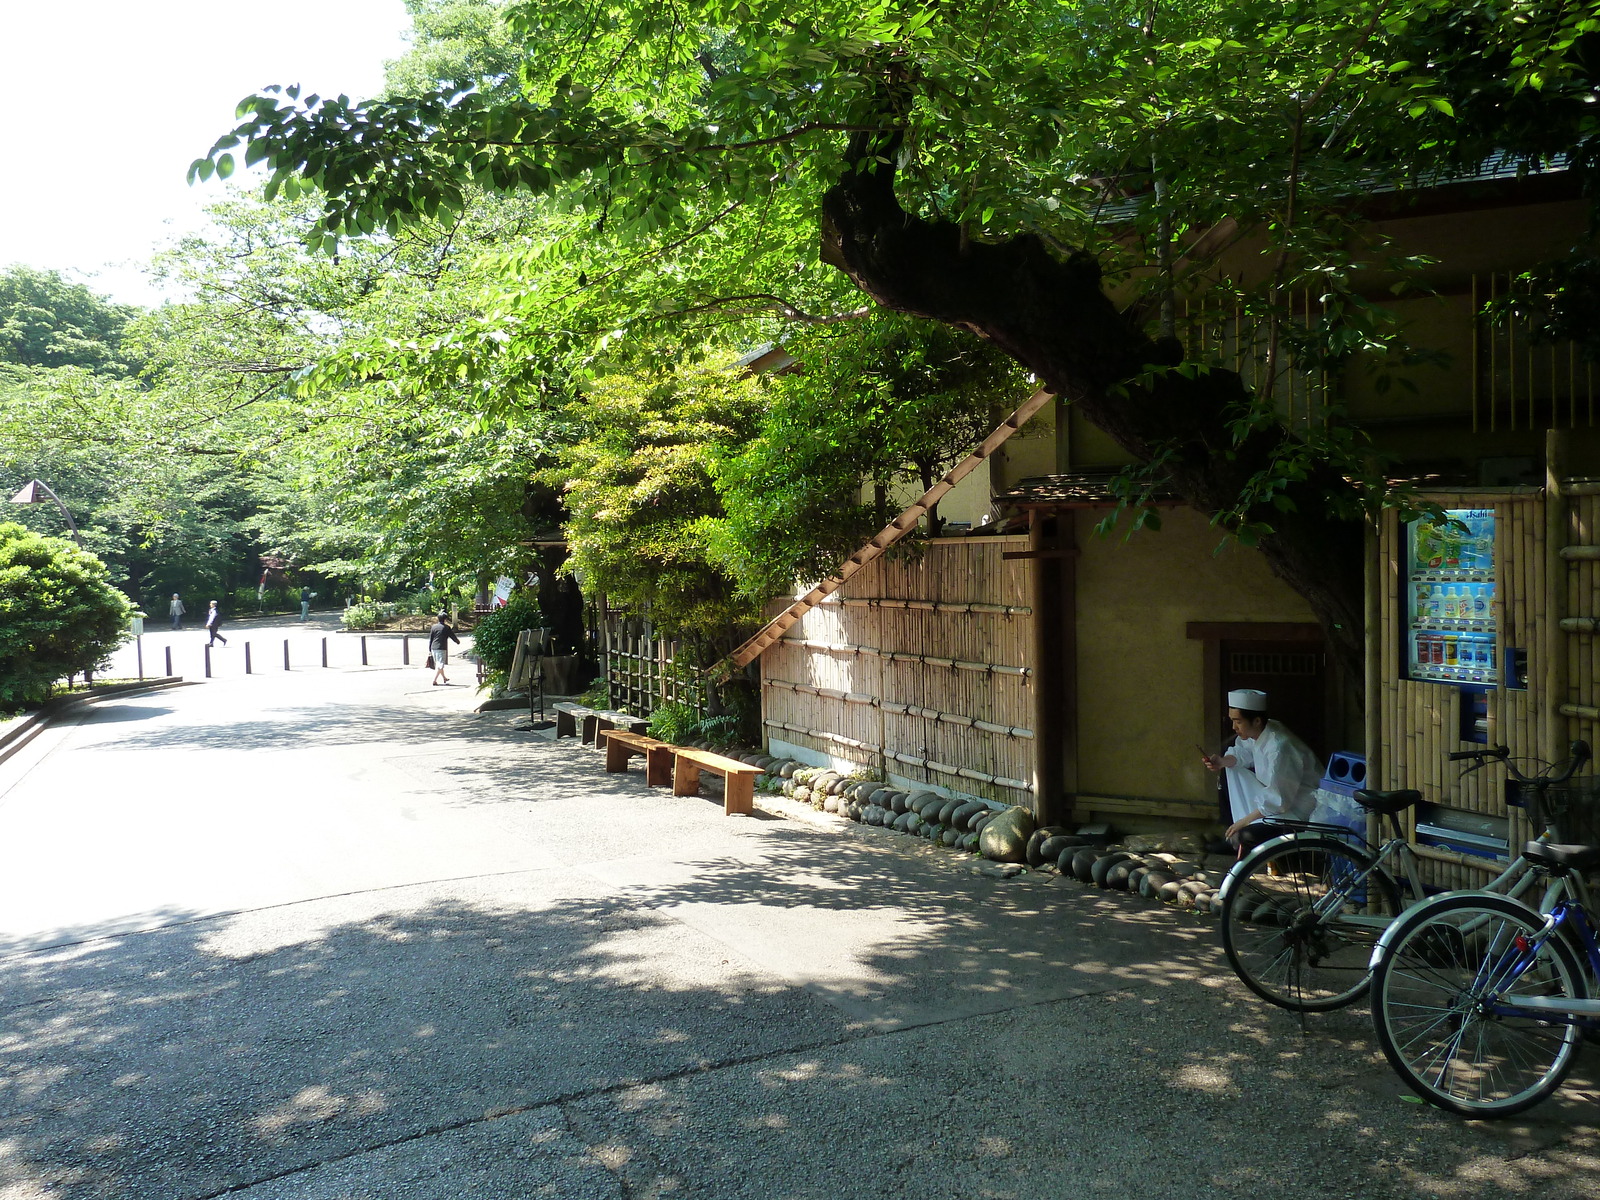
{"points": [[1346, 773]]}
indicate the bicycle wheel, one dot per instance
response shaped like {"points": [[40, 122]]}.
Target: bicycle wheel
{"points": [[1439, 971], [1300, 919]]}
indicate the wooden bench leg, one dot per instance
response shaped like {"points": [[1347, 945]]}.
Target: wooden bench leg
{"points": [[685, 778], [658, 766], [591, 730], [617, 755], [738, 795], [565, 725]]}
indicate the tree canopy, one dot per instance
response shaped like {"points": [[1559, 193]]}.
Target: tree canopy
{"points": [[1050, 176]]}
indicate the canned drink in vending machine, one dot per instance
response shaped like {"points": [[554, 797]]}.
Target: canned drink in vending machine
{"points": [[1452, 650]]}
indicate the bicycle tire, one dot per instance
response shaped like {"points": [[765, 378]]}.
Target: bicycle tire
{"points": [[1282, 938], [1433, 972]]}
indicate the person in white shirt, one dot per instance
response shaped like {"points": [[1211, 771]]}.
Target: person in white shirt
{"points": [[1271, 773]]}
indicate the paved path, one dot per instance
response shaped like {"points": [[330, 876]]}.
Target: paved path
{"points": [[328, 936]]}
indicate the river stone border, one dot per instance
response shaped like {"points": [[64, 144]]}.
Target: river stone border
{"points": [[1172, 869]]}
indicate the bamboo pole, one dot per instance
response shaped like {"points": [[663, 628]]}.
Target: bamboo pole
{"points": [[1554, 605], [1372, 708]]}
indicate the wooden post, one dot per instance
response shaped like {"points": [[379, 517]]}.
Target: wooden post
{"points": [[1044, 585], [1554, 721]]}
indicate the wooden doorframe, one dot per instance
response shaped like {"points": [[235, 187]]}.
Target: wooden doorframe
{"points": [[1213, 633]]}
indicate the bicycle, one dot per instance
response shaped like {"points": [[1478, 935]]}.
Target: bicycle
{"points": [[1301, 914], [1479, 1001]]}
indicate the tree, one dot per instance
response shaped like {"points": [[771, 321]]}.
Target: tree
{"points": [[876, 404], [47, 322], [993, 166], [58, 615], [641, 494]]}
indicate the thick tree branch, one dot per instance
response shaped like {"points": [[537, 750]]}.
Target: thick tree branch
{"points": [[1052, 315]]}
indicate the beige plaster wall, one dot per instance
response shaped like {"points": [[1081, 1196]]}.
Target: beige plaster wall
{"points": [[1140, 708]]}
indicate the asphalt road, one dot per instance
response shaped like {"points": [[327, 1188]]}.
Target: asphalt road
{"points": [[326, 935]]}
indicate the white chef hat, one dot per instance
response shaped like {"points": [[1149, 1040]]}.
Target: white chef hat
{"points": [[1247, 700]]}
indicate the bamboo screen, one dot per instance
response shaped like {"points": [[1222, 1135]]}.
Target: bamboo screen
{"points": [[1421, 722], [917, 667]]}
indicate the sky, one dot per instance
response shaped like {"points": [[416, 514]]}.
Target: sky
{"points": [[105, 103]]}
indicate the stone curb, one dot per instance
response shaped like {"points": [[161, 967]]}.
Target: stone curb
{"points": [[30, 726]]}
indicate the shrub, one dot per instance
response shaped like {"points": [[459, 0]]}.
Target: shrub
{"points": [[674, 723], [369, 614], [58, 615], [494, 637]]}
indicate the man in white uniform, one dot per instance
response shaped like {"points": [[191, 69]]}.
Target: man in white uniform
{"points": [[1270, 772]]}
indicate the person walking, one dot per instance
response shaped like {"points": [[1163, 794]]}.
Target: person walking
{"points": [[439, 639], [306, 595], [213, 623], [177, 609]]}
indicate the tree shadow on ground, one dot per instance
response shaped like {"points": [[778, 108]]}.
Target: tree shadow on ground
{"points": [[969, 1040]]}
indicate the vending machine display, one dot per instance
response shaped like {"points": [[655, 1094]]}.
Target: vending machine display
{"points": [[1450, 596]]}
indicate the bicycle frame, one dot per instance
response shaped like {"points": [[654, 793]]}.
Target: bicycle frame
{"points": [[1585, 1013]]}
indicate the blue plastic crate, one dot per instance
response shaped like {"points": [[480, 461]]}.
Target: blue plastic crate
{"points": [[1346, 773]]}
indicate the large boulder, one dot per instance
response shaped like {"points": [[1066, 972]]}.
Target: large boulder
{"points": [[1004, 838]]}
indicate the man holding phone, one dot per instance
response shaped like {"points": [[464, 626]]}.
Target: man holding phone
{"points": [[1271, 773]]}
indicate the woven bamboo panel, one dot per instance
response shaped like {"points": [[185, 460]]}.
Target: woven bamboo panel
{"points": [[917, 667]]}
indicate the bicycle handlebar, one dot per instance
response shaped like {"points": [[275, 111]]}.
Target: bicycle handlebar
{"points": [[1578, 754]]}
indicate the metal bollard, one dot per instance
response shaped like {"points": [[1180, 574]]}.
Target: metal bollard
{"points": [[247, 658], [139, 649], [285, 654], [169, 662], [324, 651], [207, 649], [363, 649], [405, 651]]}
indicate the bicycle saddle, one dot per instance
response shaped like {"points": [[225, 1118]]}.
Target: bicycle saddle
{"points": [[1387, 803], [1570, 857]]}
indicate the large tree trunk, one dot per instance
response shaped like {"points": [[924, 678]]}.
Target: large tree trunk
{"points": [[1054, 317]]}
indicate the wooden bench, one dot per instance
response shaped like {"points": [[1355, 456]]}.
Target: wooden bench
{"points": [[571, 719], [621, 745], [739, 779]]}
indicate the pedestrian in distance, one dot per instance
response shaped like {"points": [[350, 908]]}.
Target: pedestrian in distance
{"points": [[177, 609], [306, 597], [439, 639], [213, 623]]}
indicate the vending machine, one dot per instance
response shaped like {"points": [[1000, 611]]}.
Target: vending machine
{"points": [[1450, 598]]}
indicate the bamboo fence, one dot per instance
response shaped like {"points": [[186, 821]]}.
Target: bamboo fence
{"points": [[918, 668], [640, 671], [1421, 722]]}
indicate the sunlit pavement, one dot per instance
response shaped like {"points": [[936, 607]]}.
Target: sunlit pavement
{"points": [[324, 933]]}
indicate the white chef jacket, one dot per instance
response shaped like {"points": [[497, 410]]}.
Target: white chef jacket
{"points": [[1276, 772]]}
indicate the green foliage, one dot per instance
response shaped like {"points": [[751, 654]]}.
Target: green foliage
{"points": [[494, 638], [879, 403], [58, 615], [47, 322], [641, 494], [675, 723], [369, 614]]}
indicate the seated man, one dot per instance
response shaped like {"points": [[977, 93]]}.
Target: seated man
{"points": [[1270, 772]]}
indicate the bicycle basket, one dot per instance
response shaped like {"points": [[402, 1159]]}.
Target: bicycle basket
{"points": [[1571, 808]]}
